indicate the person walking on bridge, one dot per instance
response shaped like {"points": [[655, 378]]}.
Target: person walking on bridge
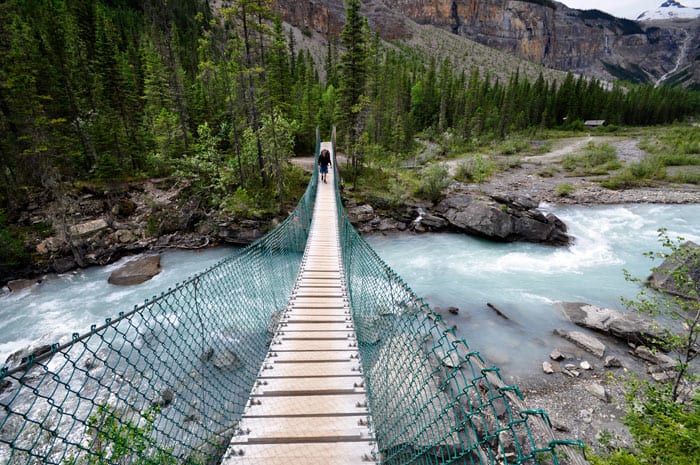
{"points": [[324, 161]]}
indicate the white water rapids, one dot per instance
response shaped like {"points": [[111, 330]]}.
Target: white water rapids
{"points": [[524, 280]]}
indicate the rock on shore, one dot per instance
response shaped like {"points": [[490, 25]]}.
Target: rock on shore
{"points": [[629, 327], [95, 226], [500, 218], [136, 271], [685, 260]]}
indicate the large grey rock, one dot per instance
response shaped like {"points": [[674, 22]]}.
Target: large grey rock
{"points": [[599, 391], [136, 271], [503, 219], [226, 359], [655, 357], [428, 222], [588, 343], [547, 368], [361, 213], [123, 236], [241, 232], [88, 227], [17, 285], [63, 264], [686, 260], [630, 327], [49, 245]]}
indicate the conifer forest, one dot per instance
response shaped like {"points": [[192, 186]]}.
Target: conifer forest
{"points": [[119, 90]]}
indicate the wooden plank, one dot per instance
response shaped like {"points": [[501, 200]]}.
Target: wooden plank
{"points": [[338, 453], [321, 274], [319, 283], [309, 291], [312, 356], [306, 302], [311, 335], [290, 326], [309, 310], [310, 369], [317, 314], [299, 428], [296, 385], [287, 345], [309, 406]]}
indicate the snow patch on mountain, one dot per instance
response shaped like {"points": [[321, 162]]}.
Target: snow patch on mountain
{"points": [[673, 9]]}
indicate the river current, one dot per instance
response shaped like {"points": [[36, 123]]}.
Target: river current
{"points": [[524, 281]]}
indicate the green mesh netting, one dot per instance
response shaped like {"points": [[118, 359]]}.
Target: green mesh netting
{"points": [[168, 381], [432, 399]]}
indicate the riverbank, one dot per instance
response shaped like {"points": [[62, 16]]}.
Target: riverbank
{"points": [[533, 177], [573, 402]]}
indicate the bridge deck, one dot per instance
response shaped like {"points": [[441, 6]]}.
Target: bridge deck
{"points": [[309, 403]]}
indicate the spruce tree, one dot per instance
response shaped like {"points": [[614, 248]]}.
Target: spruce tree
{"points": [[352, 78]]}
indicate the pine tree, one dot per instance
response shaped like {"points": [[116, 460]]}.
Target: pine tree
{"points": [[352, 79]]}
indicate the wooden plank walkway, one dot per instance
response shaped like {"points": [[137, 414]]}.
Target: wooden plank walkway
{"points": [[309, 403]]}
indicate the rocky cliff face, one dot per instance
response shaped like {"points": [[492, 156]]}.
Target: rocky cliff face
{"points": [[541, 31]]}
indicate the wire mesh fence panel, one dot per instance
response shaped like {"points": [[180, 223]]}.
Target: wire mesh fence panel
{"points": [[165, 382], [432, 399]]}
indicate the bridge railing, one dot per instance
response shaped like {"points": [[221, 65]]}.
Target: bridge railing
{"points": [[432, 399], [166, 382]]}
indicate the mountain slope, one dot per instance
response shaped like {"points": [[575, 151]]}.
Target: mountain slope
{"points": [[543, 32], [671, 9]]}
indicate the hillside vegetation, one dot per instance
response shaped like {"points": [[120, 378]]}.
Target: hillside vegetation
{"points": [[97, 94]]}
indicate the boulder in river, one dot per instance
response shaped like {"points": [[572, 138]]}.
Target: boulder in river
{"points": [[685, 260], [17, 285], [630, 327], [502, 219], [136, 271]]}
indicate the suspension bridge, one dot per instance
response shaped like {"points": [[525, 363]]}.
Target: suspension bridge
{"points": [[302, 348]]}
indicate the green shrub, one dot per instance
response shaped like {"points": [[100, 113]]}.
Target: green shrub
{"points": [[541, 148], [648, 168], [665, 432], [676, 146], [433, 180], [114, 439], [547, 172], [564, 188], [12, 250], [686, 177], [509, 163], [679, 159], [240, 203], [513, 146], [475, 169]]}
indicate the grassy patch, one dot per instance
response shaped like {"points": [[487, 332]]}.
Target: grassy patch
{"points": [[475, 169], [638, 174], [547, 172], [673, 155], [595, 159]]}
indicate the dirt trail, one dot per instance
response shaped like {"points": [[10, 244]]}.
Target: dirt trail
{"points": [[539, 176], [564, 147]]}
